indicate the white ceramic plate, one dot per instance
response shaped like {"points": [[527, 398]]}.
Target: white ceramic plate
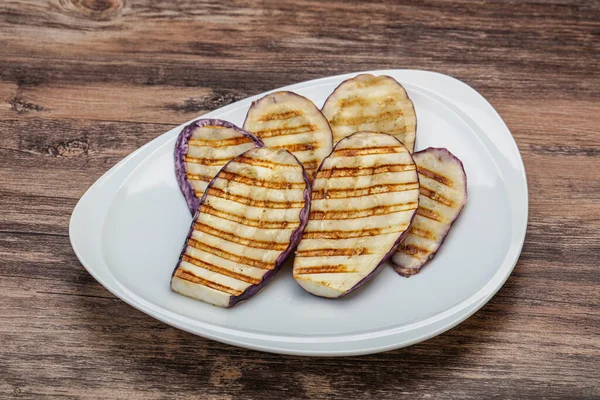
{"points": [[129, 227]]}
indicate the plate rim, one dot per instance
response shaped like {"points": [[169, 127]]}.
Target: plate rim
{"points": [[446, 319]]}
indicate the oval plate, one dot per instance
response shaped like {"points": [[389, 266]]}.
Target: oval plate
{"points": [[129, 227]]}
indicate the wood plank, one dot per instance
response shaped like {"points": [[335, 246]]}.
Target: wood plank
{"points": [[113, 102], [515, 50]]}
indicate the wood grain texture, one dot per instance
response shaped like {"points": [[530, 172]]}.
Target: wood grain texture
{"points": [[85, 82]]}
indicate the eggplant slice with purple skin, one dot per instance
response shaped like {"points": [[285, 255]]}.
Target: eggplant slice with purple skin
{"points": [[371, 103], [364, 198], [292, 122], [443, 196], [249, 220], [202, 148]]}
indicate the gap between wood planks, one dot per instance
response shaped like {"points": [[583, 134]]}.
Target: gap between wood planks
{"points": [[34, 233]]}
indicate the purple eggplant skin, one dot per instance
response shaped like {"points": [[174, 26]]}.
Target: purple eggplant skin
{"points": [[445, 153], [294, 238], [181, 149], [394, 247]]}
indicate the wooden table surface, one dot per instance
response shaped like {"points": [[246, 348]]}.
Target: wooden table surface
{"points": [[85, 82]]}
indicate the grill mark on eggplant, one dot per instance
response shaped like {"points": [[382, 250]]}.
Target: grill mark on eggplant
{"points": [[438, 198], [422, 233], [299, 147], [188, 276], [324, 269], [281, 116], [361, 251], [230, 256], [250, 181], [398, 131], [363, 101], [427, 213], [262, 163], [412, 249], [294, 130], [197, 177], [257, 244], [220, 270], [353, 234], [310, 165], [367, 119], [264, 224], [213, 191], [219, 143], [362, 213], [207, 161], [344, 172], [408, 254], [368, 151], [435, 176], [371, 190]]}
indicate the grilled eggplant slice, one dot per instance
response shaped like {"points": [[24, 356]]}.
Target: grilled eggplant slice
{"points": [[293, 122], [443, 196], [201, 149], [371, 103], [364, 197], [250, 219]]}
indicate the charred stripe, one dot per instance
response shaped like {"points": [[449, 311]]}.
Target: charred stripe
{"points": [[371, 190], [230, 256], [422, 233], [300, 147], [251, 181], [334, 252], [310, 165], [294, 130], [438, 198], [362, 213], [188, 276], [207, 161], [196, 177], [220, 143], [353, 234], [435, 176], [324, 269], [398, 131], [264, 224], [257, 244], [363, 101], [261, 162], [363, 171], [367, 119], [413, 250], [368, 151], [213, 191], [427, 213], [220, 270], [281, 116]]}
